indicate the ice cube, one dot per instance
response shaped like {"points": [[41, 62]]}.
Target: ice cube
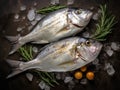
{"points": [[54, 2], [83, 81], [35, 3], [42, 85], [58, 76], [109, 68], [109, 52], [68, 79], [31, 15], [35, 49], [38, 17], [114, 46], [33, 22], [16, 16], [23, 17], [47, 87], [95, 16], [69, 2], [23, 8], [29, 76], [19, 29], [96, 61]]}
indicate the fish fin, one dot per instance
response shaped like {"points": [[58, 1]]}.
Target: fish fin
{"points": [[40, 42], [16, 67], [15, 42], [67, 63]]}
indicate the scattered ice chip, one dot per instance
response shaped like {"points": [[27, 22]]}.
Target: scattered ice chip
{"points": [[33, 22], [54, 2], [31, 15], [38, 17], [109, 68], [69, 2], [23, 8], [114, 46], [86, 34], [16, 16], [35, 3], [68, 79], [42, 85], [95, 16], [109, 52], [47, 87], [19, 29], [58, 76], [29, 76], [96, 61], [35, 49], [83, 81], [23, 17]]}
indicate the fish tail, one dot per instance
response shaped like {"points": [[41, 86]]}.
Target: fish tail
{"points": [[16, 68], [15, 41]]}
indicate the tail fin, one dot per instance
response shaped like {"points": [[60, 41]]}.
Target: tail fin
{"points": [[15, 42], [16, 67]]}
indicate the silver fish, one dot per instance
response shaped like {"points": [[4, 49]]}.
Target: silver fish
{"points": [[62, 56], [56, 25]]}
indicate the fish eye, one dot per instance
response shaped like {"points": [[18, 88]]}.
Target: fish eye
{"points": [[77, 11], [87, 43]]}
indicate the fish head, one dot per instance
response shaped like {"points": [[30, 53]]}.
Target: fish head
{"points": [[88, 49], [81, 17]]}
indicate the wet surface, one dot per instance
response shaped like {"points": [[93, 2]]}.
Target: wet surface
{"points": [[9, 25]]}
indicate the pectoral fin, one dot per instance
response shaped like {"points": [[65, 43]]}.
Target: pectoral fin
{"points": [[67, 63], [40, 42]]}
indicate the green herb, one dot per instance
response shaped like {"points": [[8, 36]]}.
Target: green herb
{"points": [[27, 54], [104, 27], [50, 9]]}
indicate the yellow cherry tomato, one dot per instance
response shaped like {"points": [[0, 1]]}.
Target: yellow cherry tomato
{"points": [[90, 75], [78, 75], [83, 69]]}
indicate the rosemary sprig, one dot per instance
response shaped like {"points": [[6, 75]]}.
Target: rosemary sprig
{"points": [[104, 27], [50, 9], [27, 54]]}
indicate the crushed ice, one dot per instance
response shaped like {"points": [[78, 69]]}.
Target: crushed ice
{"points": [[42, 85], [54, 2], [31, 14], [109, 68], [16, 16], [109, 51], [83, 81], [23, 8], [33, 22], [35, 49], [115, 46], [69, 2], [47, 87], [29, 76], [68, 79], [38, 17]]}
